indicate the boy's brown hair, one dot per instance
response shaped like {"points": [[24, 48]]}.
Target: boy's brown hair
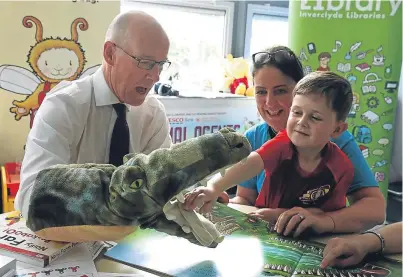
{"points": [[335, 88]]}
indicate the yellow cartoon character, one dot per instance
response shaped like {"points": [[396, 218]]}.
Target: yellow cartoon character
{"points": [[236, 77], [52, 60]]}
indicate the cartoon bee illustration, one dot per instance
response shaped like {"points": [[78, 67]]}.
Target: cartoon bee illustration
{"points": [[52, 60]]}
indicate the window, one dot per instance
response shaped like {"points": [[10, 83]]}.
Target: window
{"points": [[265, 26], [200, 34]]}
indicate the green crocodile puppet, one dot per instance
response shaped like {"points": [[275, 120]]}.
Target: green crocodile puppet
{"points": [[135, 193]]}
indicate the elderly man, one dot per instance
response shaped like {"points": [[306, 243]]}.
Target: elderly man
{"points": [[104, 116]]}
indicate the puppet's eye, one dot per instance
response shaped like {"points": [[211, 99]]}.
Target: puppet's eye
{"points": [[137, 184], [112, 197]]}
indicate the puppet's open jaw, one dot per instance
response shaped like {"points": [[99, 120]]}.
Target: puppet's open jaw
{"points": [[135, 193]]}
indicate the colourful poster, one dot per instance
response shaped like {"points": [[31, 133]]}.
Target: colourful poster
{"points": [[47, 42], [362, 41]]}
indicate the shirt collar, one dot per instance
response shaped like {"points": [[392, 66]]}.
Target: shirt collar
{"points": [[103, 94]]}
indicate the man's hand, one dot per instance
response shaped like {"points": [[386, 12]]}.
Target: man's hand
{"points": [[342, 252], [203, 197], [299, 219], [267, 214]]}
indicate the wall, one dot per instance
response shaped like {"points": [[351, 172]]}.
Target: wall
{"points": [[56, 19]]}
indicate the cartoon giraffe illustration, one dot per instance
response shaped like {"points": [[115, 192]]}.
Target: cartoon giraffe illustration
{"points": [[74, 268], [47, 272], [61, 270], [52, 60]]}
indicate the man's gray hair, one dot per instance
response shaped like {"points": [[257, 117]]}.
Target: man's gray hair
{"points": [[118, 30]]}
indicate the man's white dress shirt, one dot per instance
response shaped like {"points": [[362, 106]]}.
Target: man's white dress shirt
{"points": [[74, 125]]}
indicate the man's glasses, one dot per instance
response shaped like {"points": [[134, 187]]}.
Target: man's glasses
{"points": [[147, 64], [264, 57]]}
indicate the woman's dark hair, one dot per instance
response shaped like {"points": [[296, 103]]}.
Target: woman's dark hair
{"points": [[280, 57]]}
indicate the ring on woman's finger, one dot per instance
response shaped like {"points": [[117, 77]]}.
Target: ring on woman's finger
{"points": [[301, 216]]}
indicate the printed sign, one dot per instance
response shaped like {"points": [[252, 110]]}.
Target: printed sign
{"points": [[187, 124]]}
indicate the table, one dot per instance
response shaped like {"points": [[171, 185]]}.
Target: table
{"points": [[105, 265]]}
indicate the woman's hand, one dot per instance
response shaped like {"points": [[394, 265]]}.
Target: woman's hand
{"points": [[298, 219], [223, 198], [267, 214], [342, 252]]}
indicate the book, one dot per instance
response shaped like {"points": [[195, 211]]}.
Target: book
{"points": [[76, 263], [19, 242], [9, 218], [344, 67], [250, 248], [71, 269], [96, 248], [362, 67], [7, 265]]}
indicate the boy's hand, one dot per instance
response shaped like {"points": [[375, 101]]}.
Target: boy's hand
{"points": [[201, 196], [267, 214]]}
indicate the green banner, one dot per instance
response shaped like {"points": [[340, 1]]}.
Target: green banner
{"points": [[362, 41]]}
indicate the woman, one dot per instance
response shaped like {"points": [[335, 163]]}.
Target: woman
{"points": [[275, 74], [342, 252]]}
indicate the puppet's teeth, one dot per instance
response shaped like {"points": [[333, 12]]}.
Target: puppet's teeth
{"points": [[186, 229], [180, 197], [222, 172], [170, 216], [203, 182]]}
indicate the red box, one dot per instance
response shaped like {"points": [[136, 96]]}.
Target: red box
{"points": [[12, 177]]}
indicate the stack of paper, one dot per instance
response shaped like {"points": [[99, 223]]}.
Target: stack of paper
{"points": [[7, 266]]}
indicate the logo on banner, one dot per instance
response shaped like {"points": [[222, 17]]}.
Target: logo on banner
{"points": [[348, 9], [176, 120]]}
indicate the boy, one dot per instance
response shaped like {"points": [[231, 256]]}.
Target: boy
{"points": [[302, 167]]}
